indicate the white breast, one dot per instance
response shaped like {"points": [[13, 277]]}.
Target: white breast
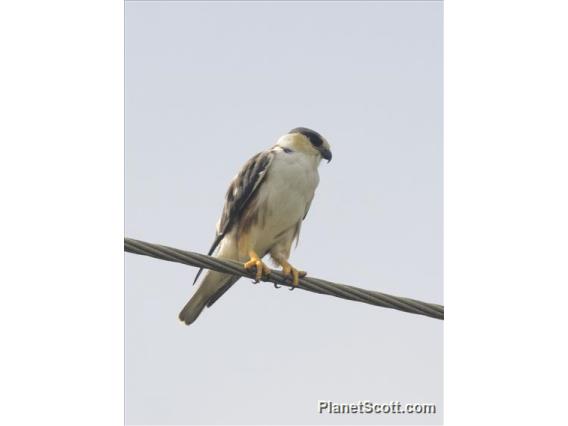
{"points": [[286, 193]]}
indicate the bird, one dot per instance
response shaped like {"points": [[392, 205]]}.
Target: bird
{"points": [[264, 207]]}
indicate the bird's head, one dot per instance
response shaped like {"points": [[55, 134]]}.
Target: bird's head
{"points": [[307, 141]]}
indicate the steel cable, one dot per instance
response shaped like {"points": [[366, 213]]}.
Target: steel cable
{"points": [[314, 285]]}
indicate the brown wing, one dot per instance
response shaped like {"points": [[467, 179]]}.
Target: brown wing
{"points": [[239, 194]]}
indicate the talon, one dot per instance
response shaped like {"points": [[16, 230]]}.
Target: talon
{"points": [[291, 272], [276, 285], [261, 269]]}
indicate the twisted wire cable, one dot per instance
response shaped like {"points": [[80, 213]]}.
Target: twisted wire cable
{"points": [[314, 285]]}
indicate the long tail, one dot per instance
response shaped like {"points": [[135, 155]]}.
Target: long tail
{"points": [[213, 285]]}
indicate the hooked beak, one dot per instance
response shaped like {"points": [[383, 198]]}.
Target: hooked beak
{"points": [[326, 153]]}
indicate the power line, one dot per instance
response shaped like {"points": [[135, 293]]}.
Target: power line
{"points": [[314, 285]]}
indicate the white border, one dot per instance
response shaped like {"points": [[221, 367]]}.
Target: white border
{"points": [[506, 212], [61, 168], [61, 228]]}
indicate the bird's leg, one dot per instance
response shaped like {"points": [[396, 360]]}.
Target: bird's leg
{"points": [[290, 271], [255, 262]]}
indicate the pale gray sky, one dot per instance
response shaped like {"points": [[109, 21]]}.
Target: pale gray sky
{"points": [[207, 86]]}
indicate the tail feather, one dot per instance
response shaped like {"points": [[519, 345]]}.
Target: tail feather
{"points": [[228, 284], [192, 309], [213, 286]]}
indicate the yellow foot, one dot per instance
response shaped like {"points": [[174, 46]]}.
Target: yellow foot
{"points": [[261, 269], [292, 272]]}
